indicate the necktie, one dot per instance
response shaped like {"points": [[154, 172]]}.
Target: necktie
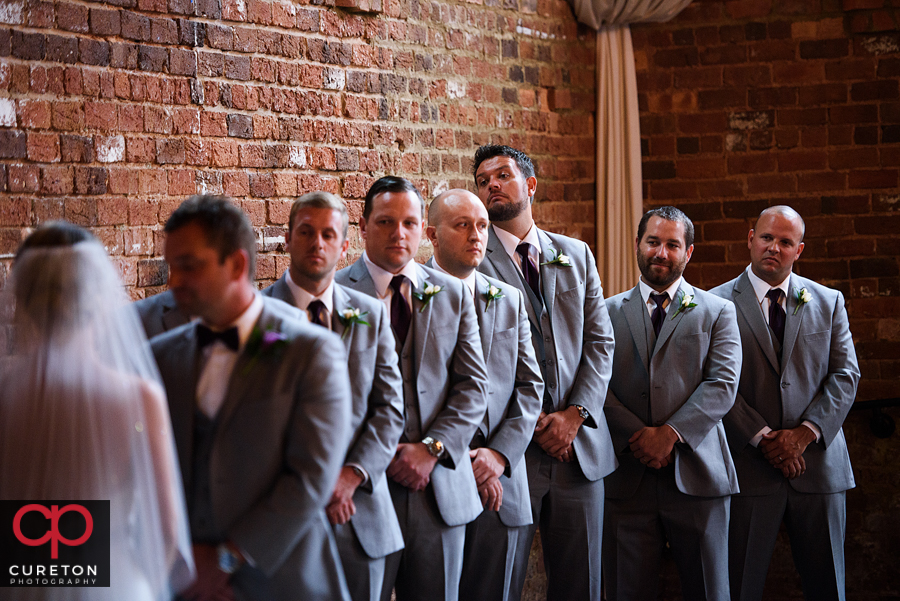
{"points": [[659, 312], [316, 311], [528, 269], [777, 315], [400, 313], [206, 336]]}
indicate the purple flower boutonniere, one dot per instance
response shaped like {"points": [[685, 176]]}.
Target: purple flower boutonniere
{"points": [[264, 344]]}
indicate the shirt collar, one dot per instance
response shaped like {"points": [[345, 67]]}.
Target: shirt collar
{"points": [[761, 288], [302, 298], [510, 241], [246, 320], [670, 291], [383, 278], [469, 281]]}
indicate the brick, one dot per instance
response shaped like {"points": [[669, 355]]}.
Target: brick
{"points": [[91, 180], [822, 94], [240, 126], [163, 31], [182, 62], [884, 178], [169, 151], [76, 149], [135, 27], [61, 49], [811, 116], [852, 158], [55, 180], [811, 182], [72, 17], [152, 58], [802, 161], [875, 90], [854, 68], [100, 115], [13, 144], [854, 113], [751, 163], [28, 46], [824, 48], [181, 182]]}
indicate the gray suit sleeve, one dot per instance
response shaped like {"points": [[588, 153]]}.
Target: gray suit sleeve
{"points": [[466, 399], [515, 432], [714, 397], [316, 443], [835, 397], [595, 369], [376, 445], [623, 423], [743, 422]]}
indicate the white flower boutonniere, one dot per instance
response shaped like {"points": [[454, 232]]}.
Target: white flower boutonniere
{"points": [[803, 297], [684, 302], [349, 317], [492, 294], [560, 259], [426, 295]]}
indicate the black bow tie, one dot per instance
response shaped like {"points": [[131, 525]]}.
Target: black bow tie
{"points": [[206, 336]]}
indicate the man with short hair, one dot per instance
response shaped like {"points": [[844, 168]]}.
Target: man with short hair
{"points": [[360, 510], [444, 392], [260, 406], [785, 431], [571, 450], [675, 374], [458, 229]]}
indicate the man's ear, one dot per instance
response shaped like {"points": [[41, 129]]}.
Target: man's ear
{"points": [[344, 248], [531, 183], [362, 228], [240, 264], [431, 233]]}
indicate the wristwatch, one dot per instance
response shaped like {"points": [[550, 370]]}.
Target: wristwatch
{"points": [[582, 412], [435, 447], [229, 561]]}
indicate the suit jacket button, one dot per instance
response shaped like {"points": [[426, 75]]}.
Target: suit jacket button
{"points": [[552, 385], [785, 384]]}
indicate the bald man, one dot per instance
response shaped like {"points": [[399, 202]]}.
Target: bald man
{"points": [[797, 385], [458, 230]]}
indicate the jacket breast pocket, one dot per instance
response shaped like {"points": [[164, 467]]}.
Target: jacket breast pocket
{"points": [[817, 336]]}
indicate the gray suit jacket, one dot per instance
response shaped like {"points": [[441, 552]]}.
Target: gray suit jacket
{"points": [[159, 313], [572, 338], [815, 380], [450, 380], [377, 419], [516, 390], [280, 438], [687, 380]]}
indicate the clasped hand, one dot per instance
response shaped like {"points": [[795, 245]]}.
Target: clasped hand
{"points": [[654, 446], [555, 432], [488, 465], [411, 466], [341, 507], [783, 449], [212, 584]]}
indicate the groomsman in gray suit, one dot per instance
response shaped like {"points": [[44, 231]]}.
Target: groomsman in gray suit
{"points": [[798, 383], [444, 392], [260, 406], [675, 375], [159, 313], [360, 510], [458, 230], [571, 451]]}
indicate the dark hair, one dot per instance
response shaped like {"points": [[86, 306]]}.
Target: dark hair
{"points": [[489, 151], [669, 214], [226, 226], [320, 200], [55, 233], [391, 183]]}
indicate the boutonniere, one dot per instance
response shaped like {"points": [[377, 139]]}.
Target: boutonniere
{"points": [[426, 295], [262, 344], [492, 294], [560, 259], [684, 302], [803, 297], [350, 317]]}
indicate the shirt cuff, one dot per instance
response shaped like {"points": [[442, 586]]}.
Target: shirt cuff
{"points": [[677, 433], [814, 429], [361, 469], [756, 439]]}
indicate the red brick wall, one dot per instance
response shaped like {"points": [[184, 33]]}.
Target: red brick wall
{"points": [[749, 103], [112, 113]]}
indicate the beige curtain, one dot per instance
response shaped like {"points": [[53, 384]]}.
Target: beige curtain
{"points": [[618, 137]]}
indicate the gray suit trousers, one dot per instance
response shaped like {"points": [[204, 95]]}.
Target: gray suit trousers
{"points": [[429, 567], [816, 525], [364, 575], [490, 558], [638, 527], [568, 508]]}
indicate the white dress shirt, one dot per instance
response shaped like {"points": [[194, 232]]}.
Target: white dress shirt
{"points": [[511, 242], [219, 361], [761, 288], [469, 281], [382, 280], [302, 298], [646, 290]]}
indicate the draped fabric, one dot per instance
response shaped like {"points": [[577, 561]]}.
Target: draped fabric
{"points": [[619, 203]]}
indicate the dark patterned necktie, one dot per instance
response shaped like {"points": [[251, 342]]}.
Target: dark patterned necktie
{"points": [[400, 313], [206, 336], [777, 315], [532, 278], [659, 312], [317, 312]]}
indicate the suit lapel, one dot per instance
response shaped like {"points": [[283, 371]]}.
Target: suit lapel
{"points": [[339, 302], [362, 280], [548, 272], [506, 270], [745, 300], [633, 306], [421, 319], [244, 373], [171, 316], [792, 322], [183, 399], [485, 313], [282, 292], [670, 322]]}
